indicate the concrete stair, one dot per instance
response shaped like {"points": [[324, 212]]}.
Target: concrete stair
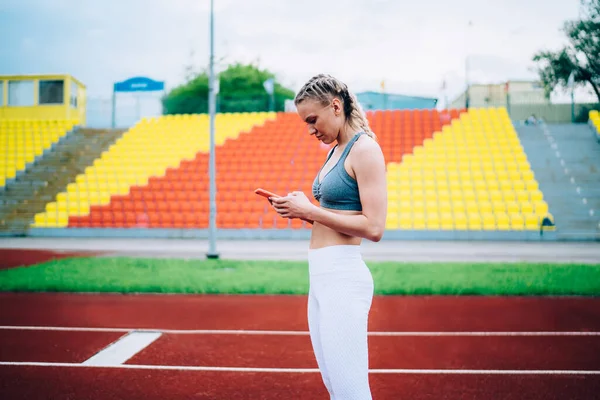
{"points": [[566, 162], [48, 176]]}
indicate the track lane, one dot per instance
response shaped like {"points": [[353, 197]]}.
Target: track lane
{"points": [[256, 312]]}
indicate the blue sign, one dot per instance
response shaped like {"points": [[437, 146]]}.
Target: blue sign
{"points": [[135, 84], [139, 84]]}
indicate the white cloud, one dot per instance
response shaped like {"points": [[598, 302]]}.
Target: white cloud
{"points": [[412, 45]]}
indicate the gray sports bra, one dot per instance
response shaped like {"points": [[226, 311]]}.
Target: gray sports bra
{"points": [[338, 190]]}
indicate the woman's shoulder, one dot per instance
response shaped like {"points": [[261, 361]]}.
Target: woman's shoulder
{"points": [[366, 144], [367, 156]]}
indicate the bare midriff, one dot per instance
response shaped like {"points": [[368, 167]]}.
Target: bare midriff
{"points": [[323, 236]]}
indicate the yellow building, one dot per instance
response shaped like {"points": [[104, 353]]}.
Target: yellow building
{"points": [[42, 97]]}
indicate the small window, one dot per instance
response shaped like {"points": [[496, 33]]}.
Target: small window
{"points": [[20, 93], [73, 97], [52, 92], [1, 93]]}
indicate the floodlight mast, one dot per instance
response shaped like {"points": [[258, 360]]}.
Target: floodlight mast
{"points": [[212, 230]]}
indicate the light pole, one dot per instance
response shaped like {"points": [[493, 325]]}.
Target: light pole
{"points": [[467, 99], [212, 230]]}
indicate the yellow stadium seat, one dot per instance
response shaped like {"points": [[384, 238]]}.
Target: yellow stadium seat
{"points": [[391, 221], [532, 222], [502, 221], [418, 206], [541, 208], [517, 221], [536, 195], [522, 196], [517, 184], [488, 221], [486, 207], [526, 207], [474, 221], [405, 221], [532, 185], [418, 221], [513, 207], [460, 221], [445, 206]]}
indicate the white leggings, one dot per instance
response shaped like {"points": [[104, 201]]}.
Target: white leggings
{"points": [[339, 300]]}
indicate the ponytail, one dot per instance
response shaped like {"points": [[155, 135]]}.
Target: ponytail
{"points": [[355, 116]]}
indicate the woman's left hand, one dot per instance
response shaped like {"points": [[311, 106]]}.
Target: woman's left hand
{"points": [[294, 205]]}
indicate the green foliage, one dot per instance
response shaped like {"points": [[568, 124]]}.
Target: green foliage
{"points": [[135, 275], [189, 98], [240, 90], [584, 113], [581, 55]]}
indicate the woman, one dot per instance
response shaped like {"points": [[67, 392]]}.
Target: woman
{"points": [[352, 193]]}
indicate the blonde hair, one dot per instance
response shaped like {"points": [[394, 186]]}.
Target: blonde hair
{"points": [[323, 88]]}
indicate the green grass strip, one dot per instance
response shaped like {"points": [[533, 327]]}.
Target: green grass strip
{"points": [[139, 275]]}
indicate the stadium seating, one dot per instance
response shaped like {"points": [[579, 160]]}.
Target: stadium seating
{"points": [[447, 170], [595, 122], [22, 141], [399, 131], [148, 150], [277, 155], [473, 175]]}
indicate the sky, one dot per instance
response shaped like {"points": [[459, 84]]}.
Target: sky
{"points": [[411, 45]]}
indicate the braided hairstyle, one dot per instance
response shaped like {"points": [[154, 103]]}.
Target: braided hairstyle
{"points": [[323, 88]]}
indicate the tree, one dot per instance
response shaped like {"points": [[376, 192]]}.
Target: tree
{"points": [[189, 98], [581, 56], [240, 90]]}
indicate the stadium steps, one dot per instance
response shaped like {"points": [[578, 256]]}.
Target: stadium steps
{"points": [[581, 157], [40, 183], [25, 142]]}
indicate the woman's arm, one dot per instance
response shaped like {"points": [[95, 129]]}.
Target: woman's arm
{"points": [[369, 169], [371, 178]]}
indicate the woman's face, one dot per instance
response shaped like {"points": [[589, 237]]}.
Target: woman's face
{"points": [[324, 122]]}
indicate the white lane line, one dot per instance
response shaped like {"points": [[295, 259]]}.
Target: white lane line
{"points": [[484, 333], [123, 349], [485, 371], [65, 328], [310, 370], [294, 333]]}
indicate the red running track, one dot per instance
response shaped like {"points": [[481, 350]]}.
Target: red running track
{"points": [[11, 258], [288, 313], [107, 384], [389, 313]]}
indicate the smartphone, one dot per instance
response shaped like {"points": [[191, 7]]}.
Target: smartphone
{"points": [[265, 193]]}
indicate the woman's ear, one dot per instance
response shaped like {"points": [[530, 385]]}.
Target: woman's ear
{"points": [[337, 106]]}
